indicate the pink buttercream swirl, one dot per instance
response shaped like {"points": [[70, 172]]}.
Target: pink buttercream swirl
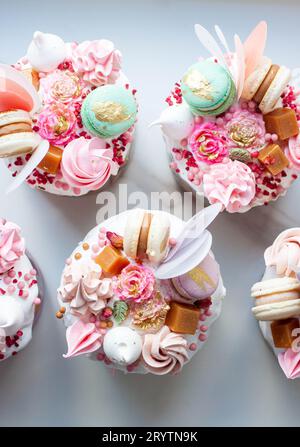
{"points": [[57, 123], [284, 254], [245, 129], [164, 352], [231, 183], [290, 363], [84, 289], [293, 152], [97, 62], [12, 245], [87, 163], [135, 283], [208, 143]]}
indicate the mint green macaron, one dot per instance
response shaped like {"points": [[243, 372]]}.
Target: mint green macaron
{"points": [[208, 88], [108, 111]]}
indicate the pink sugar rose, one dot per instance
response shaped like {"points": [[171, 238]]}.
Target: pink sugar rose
{"points": [[135, 283], [208, 143], [56, 124], [12, 245], [231, 183], [97, 62]]}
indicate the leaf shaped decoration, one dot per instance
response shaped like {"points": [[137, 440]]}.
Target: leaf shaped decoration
{"points": [[240, 154], [120, 311]]}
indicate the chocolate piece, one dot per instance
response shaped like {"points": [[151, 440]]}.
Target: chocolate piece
{"points": [[51, 161], [182, 318], [283, 122], [282, 331], [263, 88], [272, 156], [111, 260]]}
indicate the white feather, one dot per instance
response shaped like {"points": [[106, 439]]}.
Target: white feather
{"points": [[210, 43], [32, 163], [222, 38]]}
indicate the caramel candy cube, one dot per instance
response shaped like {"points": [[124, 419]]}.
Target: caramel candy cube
{"points": [[111, 260], [282, 332], [182, 318], [51, 161], [274, 159], [283, 122]]}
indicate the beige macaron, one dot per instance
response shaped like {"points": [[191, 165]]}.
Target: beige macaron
{"points": [[276, 299], [146, 235], [255, 79], [273, 93], [16, 134]]}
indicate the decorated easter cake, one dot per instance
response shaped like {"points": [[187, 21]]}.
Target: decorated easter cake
{"points": [[20, 288], [277, 301], [141, 291], [232, 123], [67, 115]]}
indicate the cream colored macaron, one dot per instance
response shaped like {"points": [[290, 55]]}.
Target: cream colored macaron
{"points": [[132, 232], [14, 116], [279, 83], [158, 237], [147, 235], [254, 80], [18, 143], [276, 299]]}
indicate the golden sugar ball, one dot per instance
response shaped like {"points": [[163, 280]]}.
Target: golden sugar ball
{"points": [[59, 315], [85, 246], [109, 324], [77, 256], [62, 310], [103, 324]]}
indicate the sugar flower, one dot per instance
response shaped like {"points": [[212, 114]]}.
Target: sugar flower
{"points": [[57, 124], [135, 283], [208, 143]]}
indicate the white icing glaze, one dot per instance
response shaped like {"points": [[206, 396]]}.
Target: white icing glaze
{"points": [[117, 224]]}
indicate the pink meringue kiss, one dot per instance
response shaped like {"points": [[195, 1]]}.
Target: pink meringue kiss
{"points": [[82, 338], [87, 163], [290, 363], [12, 245]]}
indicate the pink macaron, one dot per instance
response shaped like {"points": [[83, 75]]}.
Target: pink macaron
{"points": [[199, 283]]}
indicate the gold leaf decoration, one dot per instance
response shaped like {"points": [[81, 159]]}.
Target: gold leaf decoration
{"points": [[150, 314], [110, 112], [198, 84]]}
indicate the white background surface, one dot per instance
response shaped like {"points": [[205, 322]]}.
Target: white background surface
{"points": [[235, 379]]}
